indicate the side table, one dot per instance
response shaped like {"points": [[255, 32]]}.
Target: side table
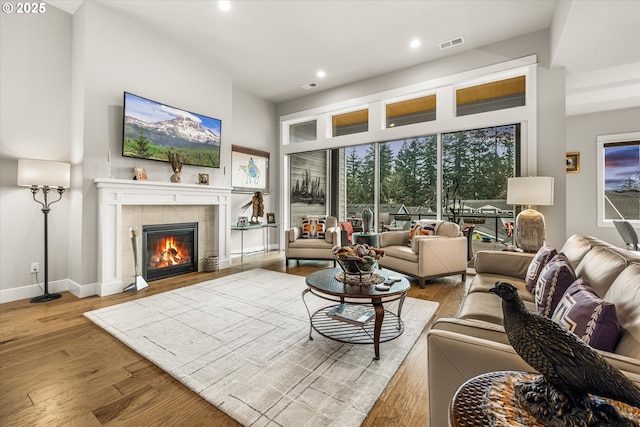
{"points": [[490, 397], [370, 239]]}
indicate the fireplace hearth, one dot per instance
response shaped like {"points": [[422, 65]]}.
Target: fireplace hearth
{"points": [[169, 250]]}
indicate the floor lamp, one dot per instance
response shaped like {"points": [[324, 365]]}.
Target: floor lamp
{"points": [[530, 191], [45, 175]]}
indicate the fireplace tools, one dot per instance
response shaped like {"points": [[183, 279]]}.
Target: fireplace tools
{"points": [[138, 281]]}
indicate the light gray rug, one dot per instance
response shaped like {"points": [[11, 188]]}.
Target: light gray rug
{"points": [[242, 343]]}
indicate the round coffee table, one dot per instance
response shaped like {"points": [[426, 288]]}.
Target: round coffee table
{"points": [[386, 325]]}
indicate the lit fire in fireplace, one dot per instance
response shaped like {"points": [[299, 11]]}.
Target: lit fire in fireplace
{"points": [[169, 252]]}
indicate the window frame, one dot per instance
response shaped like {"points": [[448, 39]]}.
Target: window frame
{"points": [[446, 121], [601, 142]]}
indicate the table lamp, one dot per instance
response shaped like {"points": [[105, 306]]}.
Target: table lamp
{"points": [[530, 191], [44, 174]]}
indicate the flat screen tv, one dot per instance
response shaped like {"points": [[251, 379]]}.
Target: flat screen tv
{"points": [[151, 130]]}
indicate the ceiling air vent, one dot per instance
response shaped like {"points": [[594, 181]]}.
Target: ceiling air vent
{"points": [[451, 43], [310, 85]]}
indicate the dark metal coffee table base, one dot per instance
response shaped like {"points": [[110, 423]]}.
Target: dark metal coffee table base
{"points": [[386, 325], [392, 327]]}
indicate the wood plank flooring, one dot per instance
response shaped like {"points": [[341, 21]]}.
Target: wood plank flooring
{"points": [[59, 369]]}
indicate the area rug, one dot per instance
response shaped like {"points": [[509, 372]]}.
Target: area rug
{"points": [[242, 343]]}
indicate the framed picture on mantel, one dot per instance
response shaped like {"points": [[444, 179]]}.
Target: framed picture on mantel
{"points": [[249, 170], [141, 174]]}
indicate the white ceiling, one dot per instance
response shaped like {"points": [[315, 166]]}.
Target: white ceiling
{"points": [[272, 48]]}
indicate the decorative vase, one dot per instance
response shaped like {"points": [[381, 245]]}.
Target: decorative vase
{"points": [[175, 177], [367, 220]]}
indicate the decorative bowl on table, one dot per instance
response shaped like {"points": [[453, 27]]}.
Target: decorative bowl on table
{"points": [[357, 260]]}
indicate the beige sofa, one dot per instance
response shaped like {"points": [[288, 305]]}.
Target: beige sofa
{"points": [[442, 254], [298, 247], [474, 342]]}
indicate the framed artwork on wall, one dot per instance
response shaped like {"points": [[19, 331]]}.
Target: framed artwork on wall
{"points": [[249, 170], [573, 162]]}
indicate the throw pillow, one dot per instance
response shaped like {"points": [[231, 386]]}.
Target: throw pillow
{"points": [[313, 228], [554, 280], [423, 229], [588, 316], [543, 256]]}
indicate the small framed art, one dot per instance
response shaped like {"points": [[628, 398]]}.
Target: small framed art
{"points": [[573, 162], [250, 170], [141, 174], [203, 178], [271, 218]]}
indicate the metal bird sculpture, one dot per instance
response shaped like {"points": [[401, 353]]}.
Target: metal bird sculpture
{"points": [[571, 370]]}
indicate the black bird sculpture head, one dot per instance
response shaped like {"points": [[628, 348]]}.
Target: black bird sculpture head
{"points": [[505, 290]]}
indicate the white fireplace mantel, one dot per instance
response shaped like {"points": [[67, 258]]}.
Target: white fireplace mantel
{"points": [[113, 194]]}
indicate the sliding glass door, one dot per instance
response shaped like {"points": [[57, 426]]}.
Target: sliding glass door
{"points": [[398, 180]]}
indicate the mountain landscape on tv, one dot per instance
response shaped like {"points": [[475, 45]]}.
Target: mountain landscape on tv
{"points": [[151, 130]]}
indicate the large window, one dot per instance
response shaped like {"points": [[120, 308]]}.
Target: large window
{"points": [[476, 165], [619, 178], [420, 151]]}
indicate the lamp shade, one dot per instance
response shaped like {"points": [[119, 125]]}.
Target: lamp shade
{"points": [[43, 173], [530, 190]]}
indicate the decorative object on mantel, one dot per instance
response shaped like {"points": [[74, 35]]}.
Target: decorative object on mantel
{"points": [[176, 165], [574, 376], [257, 205], [138, 281], [573, 162], [203, 178], [367, 220], [44, 174], [140, 173], [530, 191]]}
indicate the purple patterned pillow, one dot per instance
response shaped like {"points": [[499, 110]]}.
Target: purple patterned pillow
{"points": [[554, 280], [588, 316], [543, 256]]}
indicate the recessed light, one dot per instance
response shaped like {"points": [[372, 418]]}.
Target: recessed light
{"points": [[224, 5], [321, 73], [415, 43]]}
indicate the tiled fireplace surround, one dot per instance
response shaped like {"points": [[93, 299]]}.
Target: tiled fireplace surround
{"points": [[126, 203]]}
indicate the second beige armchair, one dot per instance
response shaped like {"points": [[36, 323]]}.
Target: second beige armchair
{"points": [[442, 253]]}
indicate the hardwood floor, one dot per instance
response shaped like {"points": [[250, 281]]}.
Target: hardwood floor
{"points": [[59, 369]]}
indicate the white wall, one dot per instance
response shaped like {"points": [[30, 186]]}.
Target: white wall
{"points": [[255, 126], [582, 132], [62, 94], [550, 111], [35, 70]]}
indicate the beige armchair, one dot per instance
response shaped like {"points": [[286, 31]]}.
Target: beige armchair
{"points": [[427, 256], [312, 237]]}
